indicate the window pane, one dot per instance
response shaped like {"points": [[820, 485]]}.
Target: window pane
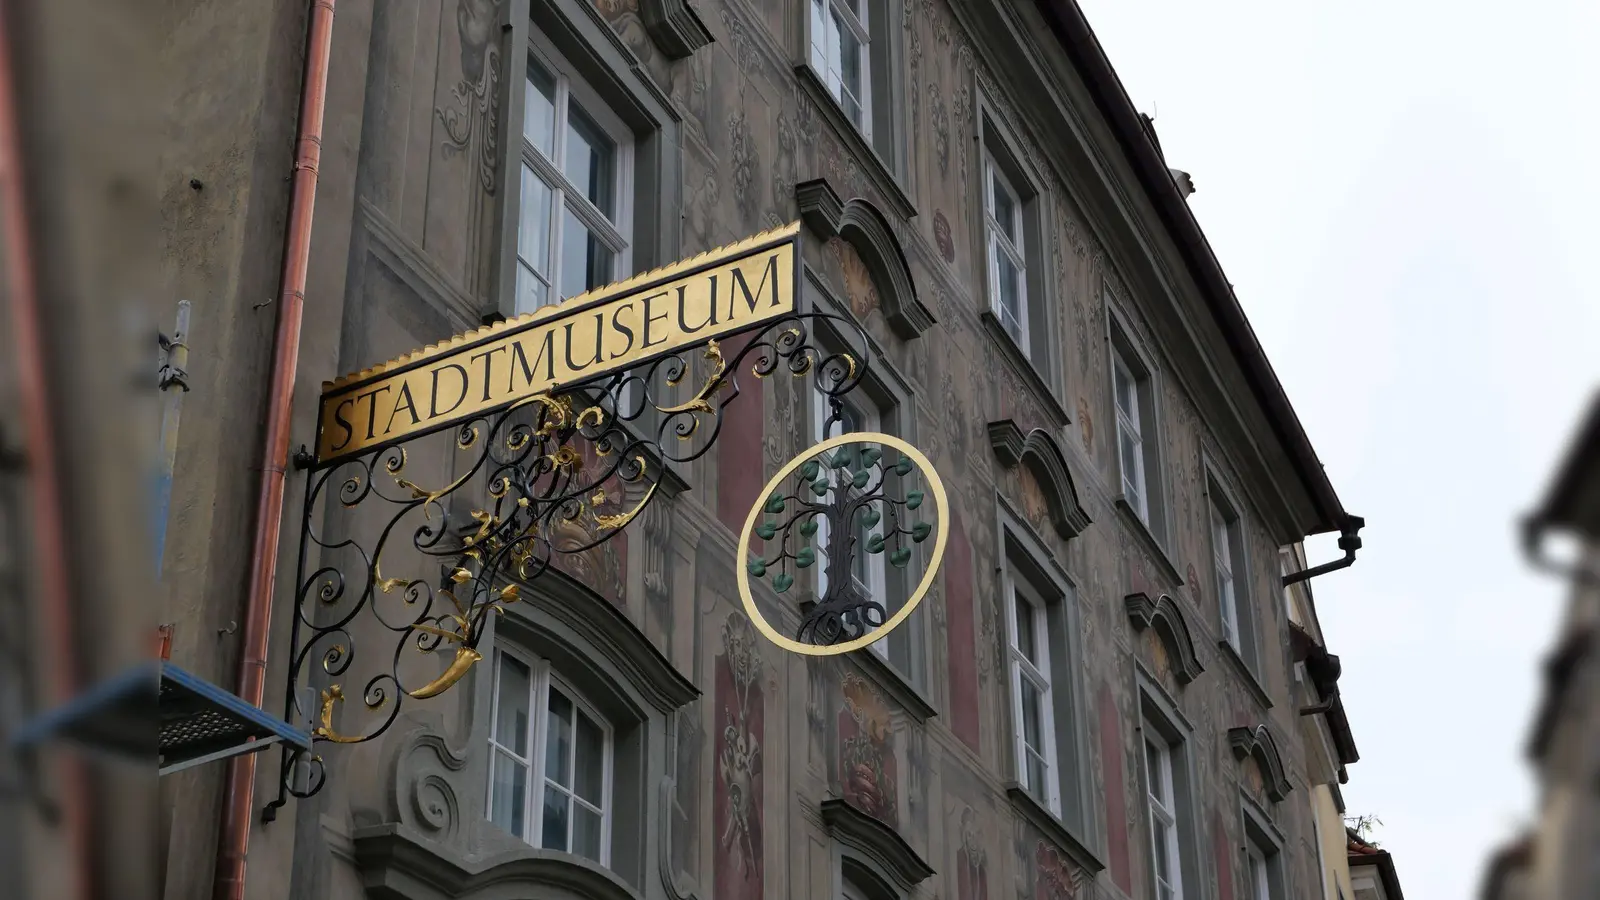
{"points": [[591, 160], [1129, 443], [819, 37], [1127, 393], [510, 788], [591, 761], [511, 722], [1038, 777], [1160, 837], [1153, 771], [1005, 205], [850, 80], [532, 292], [1009, 287], [585, 262], [558, 740], [533, 226], [1026, 640], [539, 110], [553, 835], [1032, 715], [586, 832]]}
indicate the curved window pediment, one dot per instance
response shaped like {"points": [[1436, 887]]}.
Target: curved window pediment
{"points": [[1259, 743], [866, 228], [1042, 455], [1166, 617]]}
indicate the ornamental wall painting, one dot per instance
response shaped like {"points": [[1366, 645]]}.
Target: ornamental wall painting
{"points": [[1056, 878], [737, 788], [972, 876], [867, 766], [601, 568]]}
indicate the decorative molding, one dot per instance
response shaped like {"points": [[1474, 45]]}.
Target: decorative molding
{"points": [[1259, 743], [876, 841], [476, 94], [675, 27], [1027, 806], [867, 229], [604, 630], [871, 163], [895, 684], [421, 793], [1166, 616], [396, 863], [1043, 456]]}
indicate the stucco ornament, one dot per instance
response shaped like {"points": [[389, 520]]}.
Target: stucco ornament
{"points": [[475, 95], [741, 753]]}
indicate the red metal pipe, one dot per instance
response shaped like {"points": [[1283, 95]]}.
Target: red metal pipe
{"points": [[233, 838], [49, 535]]}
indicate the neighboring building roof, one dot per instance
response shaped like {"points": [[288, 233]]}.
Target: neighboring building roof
{"points": [[1323, 669], [1572, 501], [1559, 667], [1138, 141], [1361, 853]]}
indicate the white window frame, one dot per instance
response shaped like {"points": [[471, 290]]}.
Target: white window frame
{"points": [[997, 243], [1258, 872], [877, 581], [541, 676], [1223, 535], [614, 232], [826, 17], [1162, 807], [1017, 594], [1135, 484]]}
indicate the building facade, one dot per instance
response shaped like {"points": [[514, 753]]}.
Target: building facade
{"points": [[1559, 855], [1103, 694]]}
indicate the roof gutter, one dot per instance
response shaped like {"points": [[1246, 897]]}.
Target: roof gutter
{"points": [[1072, 30]]}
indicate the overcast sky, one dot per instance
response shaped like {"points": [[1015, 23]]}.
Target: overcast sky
{"points": [[1404, 193]]}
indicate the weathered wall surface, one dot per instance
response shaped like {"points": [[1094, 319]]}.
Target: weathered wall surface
{"points": [[407, 237]]}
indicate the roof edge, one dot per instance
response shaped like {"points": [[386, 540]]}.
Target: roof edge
{"points": [[1077, 37]]}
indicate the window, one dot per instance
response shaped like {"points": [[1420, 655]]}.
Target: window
{"points": [[550, 759], [840, 52], [576, 188], [1231, 583], [1130, 436], [1165, 852], [1032, 704], [1263, 843], [1223, 534], [1133, 397], [1008, 267]]}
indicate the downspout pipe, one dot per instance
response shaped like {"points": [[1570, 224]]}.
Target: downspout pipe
{"points": [[233, 837], [48, 525], [1349, 542]]}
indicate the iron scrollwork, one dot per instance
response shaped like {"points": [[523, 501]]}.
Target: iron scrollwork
{"points": [[554, 475]]}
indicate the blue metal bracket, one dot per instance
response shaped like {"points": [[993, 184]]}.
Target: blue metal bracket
{"points": [[187, 720]]}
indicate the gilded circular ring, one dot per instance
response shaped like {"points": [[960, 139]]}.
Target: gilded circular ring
{"points": [[941, 514]]}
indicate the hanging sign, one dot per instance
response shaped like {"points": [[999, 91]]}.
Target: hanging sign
{"points": [[715, 294]]}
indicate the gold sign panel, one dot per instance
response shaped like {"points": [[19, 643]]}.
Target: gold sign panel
{"points": [[724, 291]]}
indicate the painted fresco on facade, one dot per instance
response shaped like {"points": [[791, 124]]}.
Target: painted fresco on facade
{"points": [[738, 790], [868, 770], [1056, 878], [972, 876], [961, 642], [602, 568]]}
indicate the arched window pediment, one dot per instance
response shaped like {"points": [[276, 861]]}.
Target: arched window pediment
{"points": [[1259, 743], [1043, 457], [866, 228], [1166, 617], [579, 630], [410, 866]]}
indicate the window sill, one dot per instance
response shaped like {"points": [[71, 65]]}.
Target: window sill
{"points": [[886, 676], [1248, 676], [1148, 538], [1057, 831], [1024, 367], [876, 168]]}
